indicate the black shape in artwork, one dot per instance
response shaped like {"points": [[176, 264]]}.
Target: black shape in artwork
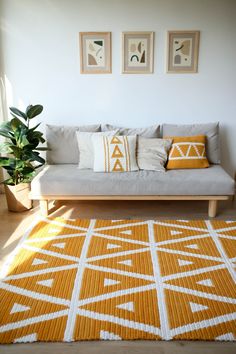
{"points": [[179, 48], [143, 59], [99, 43], [134, 56]]}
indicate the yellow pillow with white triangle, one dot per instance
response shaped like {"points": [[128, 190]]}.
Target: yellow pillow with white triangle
{"points": [[187, 152], [114, 153]]}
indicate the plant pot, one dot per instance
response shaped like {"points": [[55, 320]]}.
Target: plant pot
{"points": [[18, 197]]}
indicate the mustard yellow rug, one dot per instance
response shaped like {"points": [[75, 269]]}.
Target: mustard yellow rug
{"points": [[121, 279]]}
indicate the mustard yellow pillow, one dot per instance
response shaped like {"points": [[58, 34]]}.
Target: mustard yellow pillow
{"points": [[188, 152]]}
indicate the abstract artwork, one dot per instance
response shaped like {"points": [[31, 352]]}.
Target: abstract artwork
{"points": [[137, 52], [183, 51], [95, 52]]}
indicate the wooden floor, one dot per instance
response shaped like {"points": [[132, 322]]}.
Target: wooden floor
{"points": [[13, 225]]}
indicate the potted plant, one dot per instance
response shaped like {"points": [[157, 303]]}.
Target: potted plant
{"points": [[22, 155]]}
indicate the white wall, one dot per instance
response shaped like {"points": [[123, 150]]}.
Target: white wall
{"points": [[41, 63]]}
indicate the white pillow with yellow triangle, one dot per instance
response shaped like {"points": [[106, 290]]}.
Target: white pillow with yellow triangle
{"points": [[114, 153]]}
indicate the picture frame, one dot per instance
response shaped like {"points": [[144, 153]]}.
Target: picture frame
{"points": [[95, 52], [182, 51], [137, 52]]}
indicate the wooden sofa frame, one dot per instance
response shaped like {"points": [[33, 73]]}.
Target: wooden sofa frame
{"points": [[212, 206]]}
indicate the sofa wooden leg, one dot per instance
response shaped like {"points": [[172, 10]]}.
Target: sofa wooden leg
{"points": [[43, 207], [212, 209]]}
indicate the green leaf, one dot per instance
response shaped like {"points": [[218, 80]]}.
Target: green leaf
{"points": [[24, 141], [6, 130], [15, 123], [19, 164], [27, 109], [20, 135], [16, 151], [18, 113], [35, 157], [7, 161], [28, 171], [5, 148], [35, 137], [34, 111], [5, 134], [5, 126]]}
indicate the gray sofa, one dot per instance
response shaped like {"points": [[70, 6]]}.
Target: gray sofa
{"points": [[61, 179]]}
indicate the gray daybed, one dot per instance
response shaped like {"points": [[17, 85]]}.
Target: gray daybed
{"points": [[61, 179]]}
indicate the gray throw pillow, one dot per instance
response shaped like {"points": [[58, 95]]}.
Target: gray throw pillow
{"points": [[211, 130], [62, 142], [152, 154], [148, 132]]}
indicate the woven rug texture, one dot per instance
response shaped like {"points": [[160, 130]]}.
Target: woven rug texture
{"points": [[71, 280]]}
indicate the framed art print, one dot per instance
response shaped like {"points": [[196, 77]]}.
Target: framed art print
{"points": [[95, 52], [137, 52], [183, 47]]}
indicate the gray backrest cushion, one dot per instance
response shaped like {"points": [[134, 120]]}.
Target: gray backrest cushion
{"points": [[211, 130], [148, 132], [62, 142]]}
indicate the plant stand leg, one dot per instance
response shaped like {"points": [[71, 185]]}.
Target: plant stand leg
{"points": [[43, 207], [212, 209]]}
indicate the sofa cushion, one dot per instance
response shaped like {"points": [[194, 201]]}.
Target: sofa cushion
{"points": [[148, 132], [86, 151], [114, 153], [69, 180], [152, 153], [62, 142], [211, 130], [188, 152]]}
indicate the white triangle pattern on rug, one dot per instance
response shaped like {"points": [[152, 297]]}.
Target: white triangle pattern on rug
{"points": [[110, 246], [29, 338], [105, 335], [197, 307], [59, 245], [194, 246], [48, 282], [128, 306], [109, 282], [182, 262], [19, 308], [127, 262], [38, 261], [127, 232], [206, 282]]}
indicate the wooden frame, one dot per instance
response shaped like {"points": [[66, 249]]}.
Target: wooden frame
{"points": [[135, 59], [212, 208], [95, 52], [182, 51]]}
